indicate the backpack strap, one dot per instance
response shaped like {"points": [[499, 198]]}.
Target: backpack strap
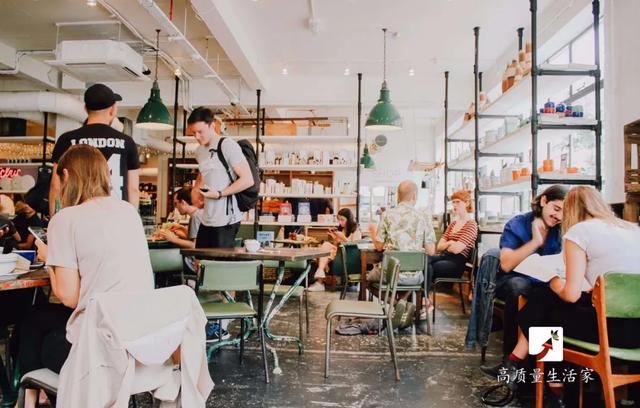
{"points": [[226, 167]]}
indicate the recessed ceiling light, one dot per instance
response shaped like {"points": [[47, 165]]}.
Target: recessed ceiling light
{"points": [[92, 3], [347, 72], [411, 72], [284, 71]]}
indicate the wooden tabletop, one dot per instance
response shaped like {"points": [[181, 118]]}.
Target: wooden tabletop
{"points": [[296, 242], [266, 254], [39, 277]]}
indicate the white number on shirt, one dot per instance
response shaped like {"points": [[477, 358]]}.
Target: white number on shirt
{"points": [[117, 180]]}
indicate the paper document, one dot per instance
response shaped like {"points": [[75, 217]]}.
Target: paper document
{"points": [[545, 268]]}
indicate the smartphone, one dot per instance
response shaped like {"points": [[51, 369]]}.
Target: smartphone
{"points": [[39, 233]]}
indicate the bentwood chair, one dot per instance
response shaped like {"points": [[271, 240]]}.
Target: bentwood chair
{"points": [[166, 262], [224, 276], [465, 279], [615, 295], [368, 310], [410, 261]]}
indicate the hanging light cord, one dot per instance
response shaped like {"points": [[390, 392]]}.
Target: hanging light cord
{"points": [[157, 50], [384, 53]]}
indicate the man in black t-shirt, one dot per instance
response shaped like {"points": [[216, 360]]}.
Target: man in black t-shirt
{"points": [[26, 217], [119, 149]]}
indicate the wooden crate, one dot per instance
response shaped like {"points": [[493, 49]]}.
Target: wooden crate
{"points": [[631, 152], [632, 171]]}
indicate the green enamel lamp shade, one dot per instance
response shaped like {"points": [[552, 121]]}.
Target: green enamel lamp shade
{"points": [[384, 116], [154, 115], [366, 160]]}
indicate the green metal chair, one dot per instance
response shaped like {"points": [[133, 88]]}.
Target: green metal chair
{"points": [[300, 292], [410, 261], [368, 310], [469, 271], [615, 295], [348, 260], [227, 276], [166, 262]]}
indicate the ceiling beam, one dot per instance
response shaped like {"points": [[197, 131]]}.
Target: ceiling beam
{"points": [[230, 33], [29, 68]]}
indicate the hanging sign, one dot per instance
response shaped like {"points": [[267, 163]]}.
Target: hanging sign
{"points": [[9, 172]]}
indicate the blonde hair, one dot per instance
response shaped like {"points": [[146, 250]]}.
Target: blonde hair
{"points": [[584, 202], [87, 175], [464, 196]]}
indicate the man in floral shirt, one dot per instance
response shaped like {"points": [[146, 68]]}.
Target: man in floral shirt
{"points": [[404, 228]]}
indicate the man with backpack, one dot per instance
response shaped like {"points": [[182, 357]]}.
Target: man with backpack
{"points": [[227, 181]]}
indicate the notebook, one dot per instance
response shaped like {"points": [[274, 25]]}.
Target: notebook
{"points": [[544, 268]]}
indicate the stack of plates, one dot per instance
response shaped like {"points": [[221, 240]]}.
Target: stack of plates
{"points": [[8, 267]]}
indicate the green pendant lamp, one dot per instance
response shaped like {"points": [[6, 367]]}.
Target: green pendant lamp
{"points": [[384, 116], [154, 115], [366, 160]]}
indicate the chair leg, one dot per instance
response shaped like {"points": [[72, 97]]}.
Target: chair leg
{"points": [[343, 293], [415, 303], [461, 298], [241, 339], [540, 386], [263, 345], [392, 348], [306, 308], [435, 287], [607, 390], [300, 319], [327, 349]]}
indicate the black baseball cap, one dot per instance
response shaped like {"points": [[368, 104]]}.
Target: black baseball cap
{"points": [[100, 96]]}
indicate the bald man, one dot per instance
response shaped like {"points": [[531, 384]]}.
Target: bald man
{"points": [[404, 228]]}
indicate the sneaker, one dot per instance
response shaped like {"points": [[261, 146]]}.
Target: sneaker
{"points": [[316, 287], [493, 371], [506, 372], [213, 332]]}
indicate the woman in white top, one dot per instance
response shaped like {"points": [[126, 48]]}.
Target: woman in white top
{"points": [[595, 242], [96, 244]]}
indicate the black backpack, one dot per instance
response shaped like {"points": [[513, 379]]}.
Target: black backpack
{"points": [[248, 198]]}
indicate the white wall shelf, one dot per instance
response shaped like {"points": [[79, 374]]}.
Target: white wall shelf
{"points": [[523, 184], [308, 168], [289, 195], [286, 139], [293, 224]]}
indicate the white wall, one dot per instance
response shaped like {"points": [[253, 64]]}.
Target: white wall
{"points": [[622, 88]]}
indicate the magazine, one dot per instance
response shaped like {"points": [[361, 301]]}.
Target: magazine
{"points": [[544, 268]]}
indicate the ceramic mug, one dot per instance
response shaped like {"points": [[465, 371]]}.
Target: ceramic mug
{"points": [[251, 245]]}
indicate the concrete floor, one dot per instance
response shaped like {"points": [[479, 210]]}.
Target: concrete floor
{"points": [[436, 371]]}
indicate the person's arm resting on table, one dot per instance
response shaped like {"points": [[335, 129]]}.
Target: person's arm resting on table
{"points": [[575, 261]]}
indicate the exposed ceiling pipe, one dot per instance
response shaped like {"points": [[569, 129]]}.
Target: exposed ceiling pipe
{"points": [[168, 27], [61, 104]]}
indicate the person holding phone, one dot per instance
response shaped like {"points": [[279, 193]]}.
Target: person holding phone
{"points": [[347, 231], [96, 244], [221, 216], [26, 218]]}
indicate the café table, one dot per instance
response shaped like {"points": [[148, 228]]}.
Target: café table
{"points": [[368, 256], [33, 279], [294, 242], [281, 255]]}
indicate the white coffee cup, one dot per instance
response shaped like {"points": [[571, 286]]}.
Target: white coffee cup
{"points": [[251, 245]]}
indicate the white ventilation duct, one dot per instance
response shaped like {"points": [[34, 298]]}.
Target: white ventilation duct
{"points": [[60, 104]]}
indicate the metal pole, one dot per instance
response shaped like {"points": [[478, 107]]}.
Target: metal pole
{"points": [[175, 141], [520, 31], [476, 149], [480, 82], [44, 139], [255, 217], [534, 97], [597, 80], [358, 142], [446, 146]]}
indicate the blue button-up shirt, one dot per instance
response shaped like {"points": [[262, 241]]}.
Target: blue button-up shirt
{"points": [[517, 232]]}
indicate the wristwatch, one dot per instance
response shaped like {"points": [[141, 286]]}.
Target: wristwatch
{"points": [[220, 195]]}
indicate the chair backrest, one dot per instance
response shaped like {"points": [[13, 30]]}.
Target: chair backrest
{"points": [[409, 260], [347, 259], [166, 260], [621, 294], [391, 273], [225, 275]]}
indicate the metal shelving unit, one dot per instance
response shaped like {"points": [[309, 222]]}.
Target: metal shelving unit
{"points": [[536, 126]]}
